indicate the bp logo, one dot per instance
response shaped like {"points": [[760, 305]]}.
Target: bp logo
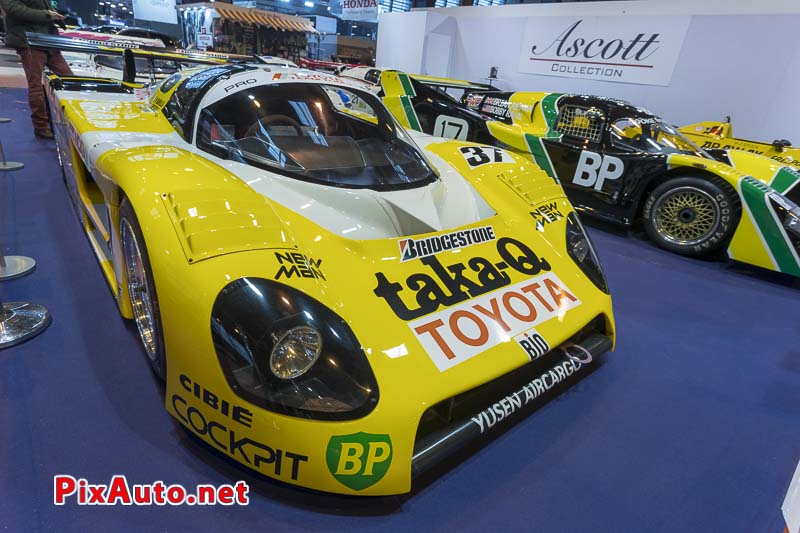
{"points": [[359, 460]]}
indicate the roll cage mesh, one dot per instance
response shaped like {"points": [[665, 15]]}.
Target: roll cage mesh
{"points": [[581, 122]]}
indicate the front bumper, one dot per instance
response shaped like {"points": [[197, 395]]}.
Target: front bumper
{"points": [[452, 424]]}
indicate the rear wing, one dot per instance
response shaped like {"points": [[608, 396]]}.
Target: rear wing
{"points": [[447, 83], [130, 51]]}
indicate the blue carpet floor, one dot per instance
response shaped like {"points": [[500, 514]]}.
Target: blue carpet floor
{"points": [[692, 425]]}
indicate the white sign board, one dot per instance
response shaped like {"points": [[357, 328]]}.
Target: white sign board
{"points": [[205, 41], [359, 9], [623, 49], [791, 505], [155, 10]]}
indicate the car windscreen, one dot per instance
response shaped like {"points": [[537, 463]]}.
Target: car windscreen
{"points": [[143, 65], [314, 132], [651, 135]]}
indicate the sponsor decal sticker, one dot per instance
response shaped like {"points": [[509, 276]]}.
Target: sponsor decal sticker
{"points": [[297, 264], [474, 100], [481, 306], [169, 83], [461, 332], [545, 214], [533, 343], [497, 107], [443, 286], [359, 460], [280, 463], [238, 84], [512, 403], [594, 169], [418, 248]]}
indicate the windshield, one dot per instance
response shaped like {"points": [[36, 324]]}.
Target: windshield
{"points": [[143, 65], [651, 135], [319, 133]]}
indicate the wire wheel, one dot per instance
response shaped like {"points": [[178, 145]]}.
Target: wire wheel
{"points": [[138, 289], [686, 215]]}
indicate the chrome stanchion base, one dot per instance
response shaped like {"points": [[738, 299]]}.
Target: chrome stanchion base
{"points": [[11, 165], [22, 321], [16, 266]]}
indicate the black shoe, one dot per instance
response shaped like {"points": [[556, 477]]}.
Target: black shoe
{"points": [[44, 134]]}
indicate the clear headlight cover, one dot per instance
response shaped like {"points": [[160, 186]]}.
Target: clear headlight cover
{"points": [[288, 353], [294, 352]]}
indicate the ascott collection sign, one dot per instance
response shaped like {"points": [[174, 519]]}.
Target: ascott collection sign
{"points": [[359, 9], [624, 49]]}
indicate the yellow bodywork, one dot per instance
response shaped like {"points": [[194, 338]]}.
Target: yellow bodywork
{"points": [[719, 135], [204, 228]]}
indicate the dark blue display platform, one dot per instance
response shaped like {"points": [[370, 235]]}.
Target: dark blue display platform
{"points": [[692, 425]]}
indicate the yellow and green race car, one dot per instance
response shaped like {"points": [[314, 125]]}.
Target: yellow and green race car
{"points": [[712, 135], [332, 301], [620, 163]]}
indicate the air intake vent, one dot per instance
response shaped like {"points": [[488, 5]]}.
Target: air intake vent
{"points": [[216, 222]]}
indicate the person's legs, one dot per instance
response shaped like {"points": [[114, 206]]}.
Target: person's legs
{"points": [[33, 62], [58, 64]]}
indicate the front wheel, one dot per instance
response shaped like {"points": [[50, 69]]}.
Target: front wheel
{"points": [[141, 289], [692, 216]]}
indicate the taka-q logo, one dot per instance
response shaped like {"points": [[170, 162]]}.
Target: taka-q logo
{"points": [[359, 460]]}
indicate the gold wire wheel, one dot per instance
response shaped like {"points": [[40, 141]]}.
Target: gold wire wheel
{"points": [[686, 215]]}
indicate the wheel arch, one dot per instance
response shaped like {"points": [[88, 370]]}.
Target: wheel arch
{"points": [[674, 173]]}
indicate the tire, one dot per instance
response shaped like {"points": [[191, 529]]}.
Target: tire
{"points": [[692, 216], [142, 289]]}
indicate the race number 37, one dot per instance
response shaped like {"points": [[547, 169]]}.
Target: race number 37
{"points": [[476, 156], [594, 169]]}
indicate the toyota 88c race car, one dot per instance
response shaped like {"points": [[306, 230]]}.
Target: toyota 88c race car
{"points": [[619, 163], [331, 300]]}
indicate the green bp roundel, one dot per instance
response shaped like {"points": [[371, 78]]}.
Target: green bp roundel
{"points": [[359, 460]]}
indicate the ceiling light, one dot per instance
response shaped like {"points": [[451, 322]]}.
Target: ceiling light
{"points": [[308, 4]]}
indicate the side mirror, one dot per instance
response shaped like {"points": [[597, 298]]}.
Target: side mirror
{"points": [[780, 144]]}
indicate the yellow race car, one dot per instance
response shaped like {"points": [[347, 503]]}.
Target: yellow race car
{"points": [[711, 135], [620, 163], [332, 301]]}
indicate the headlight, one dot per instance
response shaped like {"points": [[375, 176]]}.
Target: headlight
{"points": [[792, 222], [288, 353], [294, 352], [581, 250], [788, 212]]}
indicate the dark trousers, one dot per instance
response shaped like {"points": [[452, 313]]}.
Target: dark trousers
{"points": [[34, 62]]}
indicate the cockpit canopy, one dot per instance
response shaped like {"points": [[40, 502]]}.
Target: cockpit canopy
{"points": [[317, 132]]}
